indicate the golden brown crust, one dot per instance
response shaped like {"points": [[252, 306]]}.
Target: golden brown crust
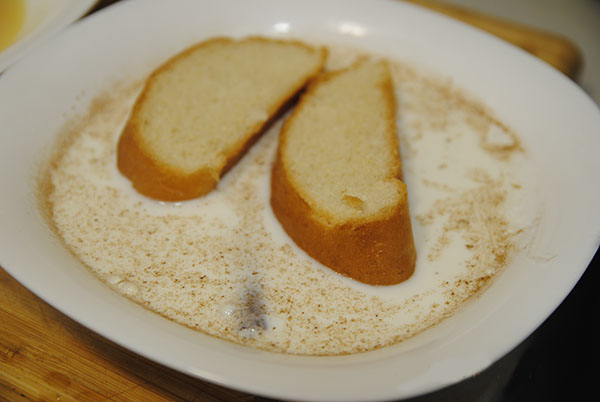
{"points": [[160, 181], [379, 252], [155, 180], [375, 251]]}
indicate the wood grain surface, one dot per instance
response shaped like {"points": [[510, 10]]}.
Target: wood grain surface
{"points": [[46, 356]]}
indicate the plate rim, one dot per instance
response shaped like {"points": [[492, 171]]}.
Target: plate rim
{"points": [[593, 244], [32, 40]]}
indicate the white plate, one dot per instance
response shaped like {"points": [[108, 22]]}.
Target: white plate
{"points": [[555, 119], [43, 18]]}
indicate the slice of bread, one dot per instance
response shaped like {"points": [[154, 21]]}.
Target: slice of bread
{"points": [[336, 183], [200, 111]]}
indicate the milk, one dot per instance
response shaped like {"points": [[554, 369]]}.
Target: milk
{"points": [[222, 264]]}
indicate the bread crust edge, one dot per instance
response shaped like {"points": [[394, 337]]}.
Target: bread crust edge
{"points": [[377, 252], [158, 180]]}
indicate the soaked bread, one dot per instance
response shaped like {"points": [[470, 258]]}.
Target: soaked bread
{"points": [[200, 111], [336, 185]]}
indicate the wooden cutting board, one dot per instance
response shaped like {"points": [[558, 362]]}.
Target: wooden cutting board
{"points": [[44, 355]]}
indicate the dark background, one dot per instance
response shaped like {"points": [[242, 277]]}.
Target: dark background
{"points": [[558, 362]]}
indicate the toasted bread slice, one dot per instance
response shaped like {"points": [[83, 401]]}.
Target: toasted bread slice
{"points": [[336, 183], [200, 111]]}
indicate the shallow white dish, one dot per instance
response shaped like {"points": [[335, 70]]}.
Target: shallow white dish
{"points": [[43, 19], [553, 117]]}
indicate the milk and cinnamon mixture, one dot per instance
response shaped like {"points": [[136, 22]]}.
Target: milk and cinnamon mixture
{"points": [[223, 265]]}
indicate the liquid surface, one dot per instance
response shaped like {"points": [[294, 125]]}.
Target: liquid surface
{"points": [[223, 265], [12, 17]]}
